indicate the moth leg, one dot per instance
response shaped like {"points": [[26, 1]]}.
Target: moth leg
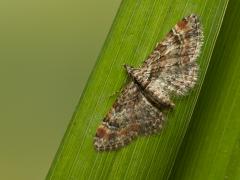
{"points": [[114, 94]]}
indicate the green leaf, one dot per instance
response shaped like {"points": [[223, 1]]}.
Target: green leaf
{"points": [[138, 26], [211, 149]]}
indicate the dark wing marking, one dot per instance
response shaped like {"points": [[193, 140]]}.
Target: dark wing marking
{"points": [[131, 115]]}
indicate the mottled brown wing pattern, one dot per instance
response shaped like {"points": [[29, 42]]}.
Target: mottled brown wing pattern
{"points": [[126, 120], [178, 69], [181, 45], [171, 69]]}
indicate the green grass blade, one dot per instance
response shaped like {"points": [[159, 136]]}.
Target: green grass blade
{"points": [[138, 26], [211, 149]]}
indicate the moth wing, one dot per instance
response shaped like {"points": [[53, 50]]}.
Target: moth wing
{"points": [[131, 115], [180, 46], [172, 67]]}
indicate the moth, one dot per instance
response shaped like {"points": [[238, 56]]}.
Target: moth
{"points": [[170, 70]]}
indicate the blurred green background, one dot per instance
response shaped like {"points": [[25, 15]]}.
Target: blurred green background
{"points": [[47, 51]]}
